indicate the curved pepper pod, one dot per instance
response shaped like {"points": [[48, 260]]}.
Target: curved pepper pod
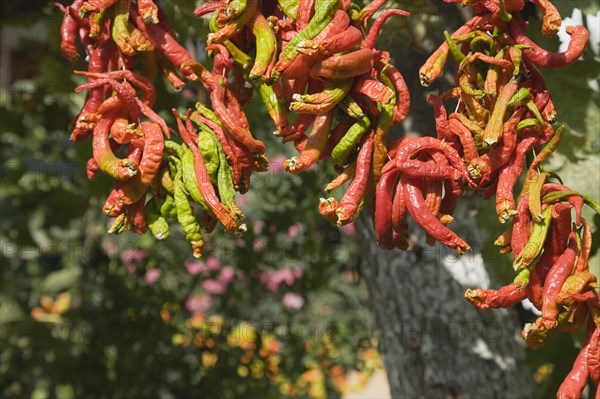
{"points": [[557, 276], [68, 30], [416, 206], [120, 169], [539, 56], [573, 385], [504, 297], [343, 66], [314, 145], [382, 220]]}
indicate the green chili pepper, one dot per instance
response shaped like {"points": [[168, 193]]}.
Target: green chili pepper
{"points": [[120, 224], [522, 279], [120, 28], [535, 192], [324, 13], [517, 58], [504, 15], [266, 47], [522, 95], [289, 7], [167, 208], [207, 144], [533, 249], [185, 215], [275, 105], [347, 144], [207, 113], [156, 222], [454, 50], [324, 101], [189, 178], [529, 123], [173, 148], [557, 195]]}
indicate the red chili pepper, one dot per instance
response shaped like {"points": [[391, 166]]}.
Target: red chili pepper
{"points": [[314, 145], [442, 126], [382, 220], [415, 204], [233, 126], [375, 29], [350, 202], [429, 170], [306, 9], [327, 209], [573, 385], [403, 101], [466, 139], [432, 68], [137, 80], [579, 38], [593, 360], [552, 20], [207, 8], [343, 66], [555, 279], [509, 174], [502, 298], [137, 217], [68, 30], [481, 167], [375, 90], [452, 192]]}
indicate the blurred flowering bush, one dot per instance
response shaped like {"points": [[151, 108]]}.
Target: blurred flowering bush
{"points": [[275, 312]]}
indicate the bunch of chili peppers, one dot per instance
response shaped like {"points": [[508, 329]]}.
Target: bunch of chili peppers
{"points": [[503, 115], [313, 58], [127, 43]]}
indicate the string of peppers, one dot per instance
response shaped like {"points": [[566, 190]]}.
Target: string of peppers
{"points": [[331, 93]]}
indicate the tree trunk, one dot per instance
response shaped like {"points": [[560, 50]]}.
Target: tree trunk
{"points": [[434, 343]]}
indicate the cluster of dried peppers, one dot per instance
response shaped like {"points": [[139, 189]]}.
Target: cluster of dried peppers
{"points": [[314, 58], [331, 93], [127, 43], [504, 114]]}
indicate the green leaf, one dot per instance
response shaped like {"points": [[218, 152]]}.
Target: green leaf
{"points": [[61, 280]]}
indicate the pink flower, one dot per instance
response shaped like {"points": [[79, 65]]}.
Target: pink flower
{"points": [[152, 275], [133, 256], [258, 245], [242, 200], [214, 287], [349, 229], [297, 273], [213, 263], [293, 301], [272, 280], [195, 267], [227, 274], [276, 163], [198, 303], [295, 230], [258, 227], [240, 243], [272, 228]]}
